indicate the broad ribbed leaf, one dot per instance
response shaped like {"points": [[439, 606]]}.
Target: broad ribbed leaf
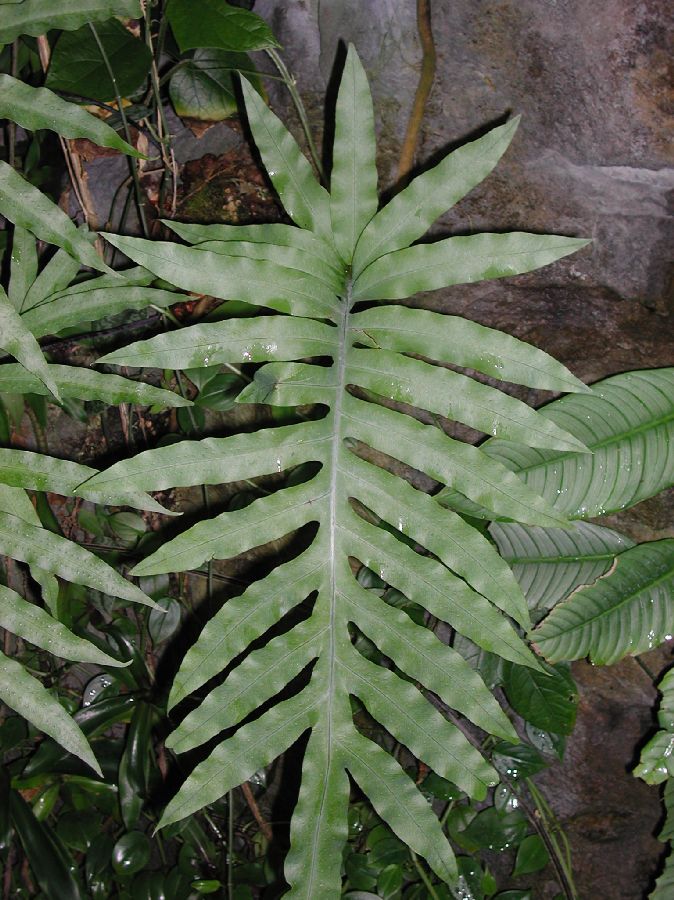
{"points": [[353, 180], [86, 384], [52, 553], [35, 625], [37, 472], [627, 421], [28, 207], [16, 339], [550, 563], [354, 507], [628, 611], [26, 696], [411, 213], [36, 17], [36, 108]]}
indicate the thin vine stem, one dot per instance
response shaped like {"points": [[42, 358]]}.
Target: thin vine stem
{"points": [[291, 84], [127, 131]]}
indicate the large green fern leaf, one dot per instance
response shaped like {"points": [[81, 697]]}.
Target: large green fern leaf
{"points": [[360, 504]]}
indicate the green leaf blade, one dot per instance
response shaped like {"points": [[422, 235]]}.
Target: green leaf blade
{"points": [[353, 181], [30, 699], [35, 625], [411, 213], [36, 108], [29, 208], [304, 199], [459, 260], [16, 339]]}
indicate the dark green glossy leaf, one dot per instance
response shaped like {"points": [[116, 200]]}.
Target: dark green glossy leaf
{"points": [[218, 24], [77, 67], [546, 698], [532, 855], [517, 761], [203, 87], [131, 853], [134, 769], [493, 830], [48, 858]]}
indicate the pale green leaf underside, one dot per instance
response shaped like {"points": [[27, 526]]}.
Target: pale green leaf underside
{"points": [[304, 199], [255, 281], [55, 276], [549, 563], [35, 625], [361, 511], [37, 472], [411, 213], [459, 260], [464, 343], [35, 17], [86, 384], [51, 553], [26, 206], [35, 108], [17, 340], [77, 306], [24, 266], [627, 421], [26, 696], [628, 611], [16, 502], [353, 181]]}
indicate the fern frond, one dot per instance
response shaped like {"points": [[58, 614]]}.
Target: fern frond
{"points": [[358, 499]]}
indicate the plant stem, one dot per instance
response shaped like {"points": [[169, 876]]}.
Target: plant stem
{"points": [[291, 84], [424, 877], [127, 130], [163, 133], [424, 86]]}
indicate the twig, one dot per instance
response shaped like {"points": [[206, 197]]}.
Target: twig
{"points": [[73, 162], [291, 84], [265, 827], [423, 90], [38, 430], [127, 130], [426, 880]]}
